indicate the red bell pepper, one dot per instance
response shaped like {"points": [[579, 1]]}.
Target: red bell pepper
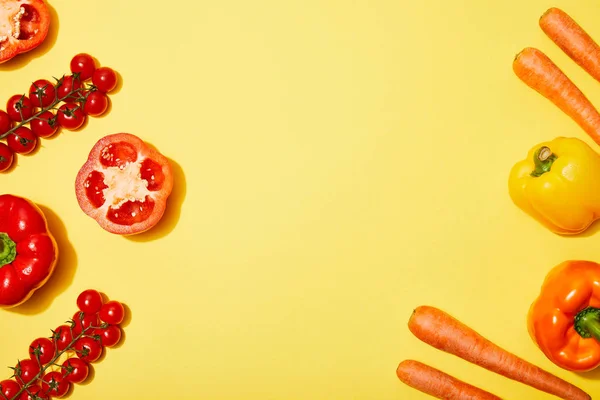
{"points": [[28, 251]]}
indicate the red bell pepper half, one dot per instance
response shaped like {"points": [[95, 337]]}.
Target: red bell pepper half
{"points": [[28, 251]]}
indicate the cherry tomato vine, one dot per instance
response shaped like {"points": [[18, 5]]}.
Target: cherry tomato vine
{"points": [[62, 360], [66, 103]]}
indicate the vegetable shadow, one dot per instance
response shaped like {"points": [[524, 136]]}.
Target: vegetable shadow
{"points": [[63, 272], [591, 375], [24, 58], [591, 231], [172, 211]]}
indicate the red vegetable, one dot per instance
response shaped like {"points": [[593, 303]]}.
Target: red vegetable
{"points": [[124, 184], [45, 125], [89, 301], [83, 321], [22, 140], [24, 25], [19, 107], [62, 337], [95, 104], [109, 336], [75, 370], [34, 392], [26, 371], [42, 93], [105, 79], [6, 157], [88, 349], [54, 384], [70, 116], [5, 122], [42, 349], [9, 388], [112, 312], [68, 88], [28, 251], [84, 65]]}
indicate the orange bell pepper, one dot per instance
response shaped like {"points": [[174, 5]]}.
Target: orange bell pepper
{"points": [[564, 321]]}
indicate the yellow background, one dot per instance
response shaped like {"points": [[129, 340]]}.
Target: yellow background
{"points": [[337, 163]]}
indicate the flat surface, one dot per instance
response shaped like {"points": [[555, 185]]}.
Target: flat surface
{"points": [[337, 164]]}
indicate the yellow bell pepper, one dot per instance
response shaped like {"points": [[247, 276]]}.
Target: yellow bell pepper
{"points": [[559, 185]]}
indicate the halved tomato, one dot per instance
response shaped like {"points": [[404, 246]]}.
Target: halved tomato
{"points": [[124, 184], [24, 25]]}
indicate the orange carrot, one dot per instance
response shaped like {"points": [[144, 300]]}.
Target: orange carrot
{"points": [[540, 73], [442, 331], [439, 384], [572, 39]]}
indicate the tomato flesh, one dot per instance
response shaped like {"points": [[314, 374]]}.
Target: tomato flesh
{"points": [[131, 212], [24, 25], [118, 154], [94, 188], [152, 172]]}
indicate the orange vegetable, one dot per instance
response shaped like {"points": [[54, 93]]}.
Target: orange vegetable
{"points": [[564, 321], [572, 39], [442, 331], [540, 73], [439, 384]]}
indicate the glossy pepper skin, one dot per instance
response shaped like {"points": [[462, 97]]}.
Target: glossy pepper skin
{"points": [[558, 184], [564, 321], [28, 251]]}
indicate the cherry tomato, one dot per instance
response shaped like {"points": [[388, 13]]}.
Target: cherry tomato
{"points": [[88, 349], [70, 116], [5, 122], [95, 104], [109, 336], [62, 337], [22, 140], [89, 301], [26, 370], [42, 93], [84, 321], [30, 18], [19, 107], [45, 125], [75, 370], [84, 65], [67, 87], [42, 349], [105, 79], [54, 384], [143, 175], [112, 312], [6, 157], [34, 392], [9, 388]]}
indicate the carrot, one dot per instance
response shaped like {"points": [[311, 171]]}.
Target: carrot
{"points": [[540, 73], [439, 384], [572, 39], [440, 330]]}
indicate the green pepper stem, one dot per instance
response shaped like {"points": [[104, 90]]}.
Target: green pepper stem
{"points": [[543, 159], [587, 323], [8, 249]]}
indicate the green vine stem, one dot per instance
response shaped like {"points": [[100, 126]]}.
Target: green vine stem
{"points": [[73, 94], [59, 353]]}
